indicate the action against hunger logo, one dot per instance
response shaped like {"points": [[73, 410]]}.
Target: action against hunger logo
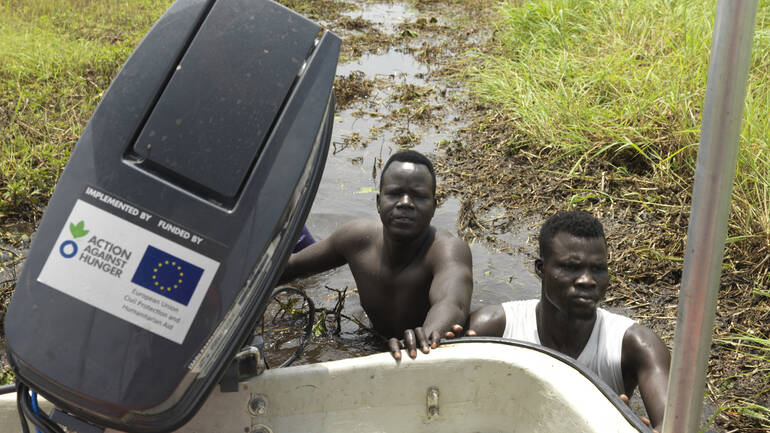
{"points": [[69, 248], [167, 275]]}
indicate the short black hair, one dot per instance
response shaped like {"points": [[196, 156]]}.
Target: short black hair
{"points": [[576, 223], [414, 157]]}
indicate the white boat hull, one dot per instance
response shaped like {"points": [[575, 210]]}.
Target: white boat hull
{"points": [[463, 387]]}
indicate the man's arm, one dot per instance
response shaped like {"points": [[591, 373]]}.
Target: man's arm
{"points": [[487, 321], [646, 361], [322, 255], [449, 297], [451, 288]]}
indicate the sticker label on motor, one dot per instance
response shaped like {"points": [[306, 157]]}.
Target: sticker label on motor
{"points": [[128, 271]]}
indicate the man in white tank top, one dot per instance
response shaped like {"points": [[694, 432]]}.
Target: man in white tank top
{"points": [[573, 272]]}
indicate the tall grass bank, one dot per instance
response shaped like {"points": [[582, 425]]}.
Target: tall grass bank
{"points": [[625, 81]]}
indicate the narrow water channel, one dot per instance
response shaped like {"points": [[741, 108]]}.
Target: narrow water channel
{"points": [[365, 135]]}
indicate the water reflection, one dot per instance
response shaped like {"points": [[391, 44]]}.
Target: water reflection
{"points": [[386, 16], [399, 67]]}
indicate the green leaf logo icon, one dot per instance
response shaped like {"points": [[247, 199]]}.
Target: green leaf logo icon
{"points": [[78, 230]]}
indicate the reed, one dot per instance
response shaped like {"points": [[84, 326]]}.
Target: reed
{"points": [[624, 81]]}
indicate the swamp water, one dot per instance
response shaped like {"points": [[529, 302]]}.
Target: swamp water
{"points": [[365, 134]]}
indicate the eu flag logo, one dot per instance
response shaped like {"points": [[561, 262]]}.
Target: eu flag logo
{"points": [[167, 275]]}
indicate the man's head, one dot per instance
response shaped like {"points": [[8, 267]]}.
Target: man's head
{"points": [[415, 158], [407, 198], [573, 263], [577, 223]]}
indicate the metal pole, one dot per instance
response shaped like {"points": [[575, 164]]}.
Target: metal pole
{"points": [[714, 176]]}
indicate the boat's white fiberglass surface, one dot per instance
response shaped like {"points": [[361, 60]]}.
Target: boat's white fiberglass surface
{"points": [[475, 387], [464, 387]]}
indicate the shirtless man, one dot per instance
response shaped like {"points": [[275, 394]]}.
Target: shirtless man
{"points": [[573, 272], [414, 280]]}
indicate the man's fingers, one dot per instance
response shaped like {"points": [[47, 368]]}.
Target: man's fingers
{"points": [[410, 343], [646, 421], [395, 348], [422, 341], [455, 332], [435, 338], [470, 333]]}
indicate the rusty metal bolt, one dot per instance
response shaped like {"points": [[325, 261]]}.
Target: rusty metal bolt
{"points": [[257, 405]]}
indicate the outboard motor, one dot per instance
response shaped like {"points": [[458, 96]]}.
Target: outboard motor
{"points": [[175, 215]]}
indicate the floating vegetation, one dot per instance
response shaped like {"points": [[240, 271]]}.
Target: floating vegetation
{"points": [[353, 140], [354, 87], [357, 23], [407, 140], [326, 10], [291, 323], [411, 93]]}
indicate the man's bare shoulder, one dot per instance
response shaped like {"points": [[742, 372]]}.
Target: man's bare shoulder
{"points": [[641, 345], [638, 335], [445, 242], [488, 320], [357, 233]]}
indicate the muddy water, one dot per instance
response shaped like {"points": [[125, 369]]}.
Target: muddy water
{"points": [[365, 135]]}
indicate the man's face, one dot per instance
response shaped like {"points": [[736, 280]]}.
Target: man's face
{"points": [[406, 202], [574, 275]]}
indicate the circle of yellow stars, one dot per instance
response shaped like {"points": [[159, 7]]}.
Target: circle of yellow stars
{"points": [[172, 265]]}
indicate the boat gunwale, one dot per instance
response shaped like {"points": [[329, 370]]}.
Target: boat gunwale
{"points": [[613, 398]]}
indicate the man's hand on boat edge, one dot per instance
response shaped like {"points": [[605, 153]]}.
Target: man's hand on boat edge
{"points": [[457, 332], [417, 338], [644, 419], [413, 338]]}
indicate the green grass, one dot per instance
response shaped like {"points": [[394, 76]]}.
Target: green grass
{"points": [[56, 59], [624, 81]]}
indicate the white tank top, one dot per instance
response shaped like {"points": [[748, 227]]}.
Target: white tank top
{"points": [[602, 353]]}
